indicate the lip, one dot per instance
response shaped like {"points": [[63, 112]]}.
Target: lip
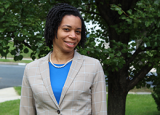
{"points": [[70, 44]]}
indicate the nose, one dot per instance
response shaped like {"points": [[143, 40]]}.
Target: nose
{"points": [[72, 34]]}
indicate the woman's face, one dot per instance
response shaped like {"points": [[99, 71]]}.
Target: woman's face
{"points": [[68, 34]]}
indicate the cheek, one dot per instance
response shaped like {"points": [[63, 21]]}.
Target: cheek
{"points": [[79, 39]]}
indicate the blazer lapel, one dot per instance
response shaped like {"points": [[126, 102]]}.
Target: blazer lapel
{"points": [[75, 67], [44, 71]]}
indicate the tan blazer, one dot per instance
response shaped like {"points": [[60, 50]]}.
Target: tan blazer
{"points": [[84, 92]]}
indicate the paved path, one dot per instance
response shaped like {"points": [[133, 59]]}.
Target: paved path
{"points": [[7, 94], [139, 93]]}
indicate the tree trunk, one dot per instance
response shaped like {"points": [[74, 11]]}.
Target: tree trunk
{"points": [[116, 96]]}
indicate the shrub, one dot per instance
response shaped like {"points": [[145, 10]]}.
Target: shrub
{"points": [[156, 89], [156, 96]]}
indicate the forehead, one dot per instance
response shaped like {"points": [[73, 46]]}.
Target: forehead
{"points": [[71, 20]]}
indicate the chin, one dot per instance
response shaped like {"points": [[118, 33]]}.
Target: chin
{"points": [[69, 51]]}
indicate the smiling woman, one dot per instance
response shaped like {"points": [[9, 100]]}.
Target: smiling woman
{"points": [[64, 82], [68, 37]]}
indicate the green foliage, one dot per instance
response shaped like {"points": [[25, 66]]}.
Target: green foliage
{"points": [[130, 28], [12, 61], [22, 22], [156, 96], [156, 93]]}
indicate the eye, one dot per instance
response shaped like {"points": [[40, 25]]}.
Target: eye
{"points": [[78, 32], [66, 29]]}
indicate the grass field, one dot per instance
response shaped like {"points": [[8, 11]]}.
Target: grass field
{"points": [[135, 105], [141, 105], [26, 55], [18, 90], [142, 89], [10, 107], [11, 60]]}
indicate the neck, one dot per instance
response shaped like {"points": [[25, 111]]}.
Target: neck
{"points": [[61, 58]]}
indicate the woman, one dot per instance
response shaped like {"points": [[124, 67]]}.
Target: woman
{"points": [[64, 82]]}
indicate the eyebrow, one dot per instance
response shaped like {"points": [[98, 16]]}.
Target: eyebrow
{"points": [[69, 26]]}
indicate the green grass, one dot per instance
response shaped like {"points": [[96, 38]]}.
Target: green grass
{"points": [[135, 105], [141, 105], [10, 107], [26, 55], [18, 90], [11, 60], [142, 89]]}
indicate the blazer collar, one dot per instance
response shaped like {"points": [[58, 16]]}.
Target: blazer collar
{"points": [[75, 67], [45, 73]]}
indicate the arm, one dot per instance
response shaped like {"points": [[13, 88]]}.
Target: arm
{"points": [[99, 105], [27, 105]]}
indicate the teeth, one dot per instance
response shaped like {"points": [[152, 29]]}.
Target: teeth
{"points": [[71, 43]]}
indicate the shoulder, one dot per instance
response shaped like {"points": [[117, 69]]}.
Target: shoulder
{"points": [[37, 62], [34, 67], [92, 65], [92, 61], [85, 58], [34, 63], [89, 60]]}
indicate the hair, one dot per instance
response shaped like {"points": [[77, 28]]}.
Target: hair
{"points": [[54, 19]]}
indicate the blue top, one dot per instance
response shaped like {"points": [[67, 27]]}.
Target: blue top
{"points": [[58, 77]]}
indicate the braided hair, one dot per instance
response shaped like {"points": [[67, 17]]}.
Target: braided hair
{"points": [[54, 19]]}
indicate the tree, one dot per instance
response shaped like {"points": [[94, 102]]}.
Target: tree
{"points": [[121, 22]]}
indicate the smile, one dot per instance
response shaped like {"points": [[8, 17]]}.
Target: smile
{"points": [[70, 44]]}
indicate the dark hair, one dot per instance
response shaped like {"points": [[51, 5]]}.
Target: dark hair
{"points": [[54, 19]]}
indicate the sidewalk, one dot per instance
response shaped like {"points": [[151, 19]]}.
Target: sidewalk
{"points": [[11, 63], [8, 94]]}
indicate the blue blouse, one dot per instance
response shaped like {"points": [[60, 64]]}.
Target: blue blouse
{"points": [[58, 77]]}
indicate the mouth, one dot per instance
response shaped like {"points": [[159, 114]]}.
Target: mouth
{"points": [[69, 44]]}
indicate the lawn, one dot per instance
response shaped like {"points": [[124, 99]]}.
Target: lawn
{"points": [[141, 105], [142, 89], [10, 107], [11, 60], [18, 90], [26, 55], [135, 105]]}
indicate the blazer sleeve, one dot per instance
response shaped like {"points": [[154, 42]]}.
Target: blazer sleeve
{"points": [[99, 105], [27, 103]]}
